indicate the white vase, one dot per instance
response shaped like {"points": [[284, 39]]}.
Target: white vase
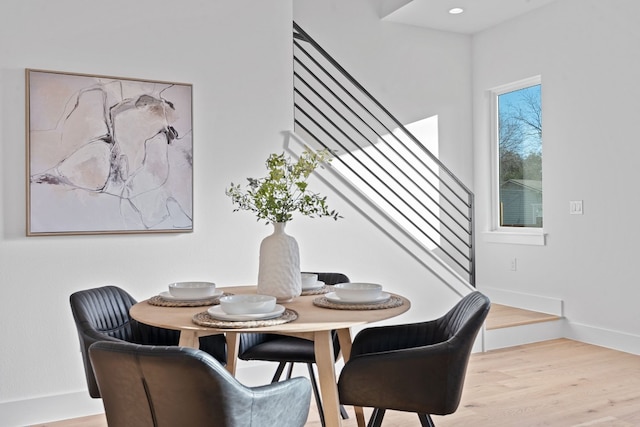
{"points": [[279, 267]]}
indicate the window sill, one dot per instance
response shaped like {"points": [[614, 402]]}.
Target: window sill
{"points": [[533, 237]]}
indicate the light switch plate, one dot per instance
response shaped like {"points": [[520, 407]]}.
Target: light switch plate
{"points": [[575, 207]]}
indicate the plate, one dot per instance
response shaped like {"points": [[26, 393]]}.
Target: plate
{"points": [[316, 285], [166, 295], [217, 313], [332, 297]]}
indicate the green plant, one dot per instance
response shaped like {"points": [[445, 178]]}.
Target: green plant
{"points": [[284, 190]]}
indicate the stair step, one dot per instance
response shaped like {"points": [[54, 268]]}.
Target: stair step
{"points": [[502, 316], [510, 326]]}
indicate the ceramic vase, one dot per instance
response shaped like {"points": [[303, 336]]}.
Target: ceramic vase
{"points": [[279, 266]]}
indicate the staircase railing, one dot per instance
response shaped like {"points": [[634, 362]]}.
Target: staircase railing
{"points": [[378, 155]]}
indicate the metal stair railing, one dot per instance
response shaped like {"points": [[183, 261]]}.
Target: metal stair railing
{"points": [[379, 156]]}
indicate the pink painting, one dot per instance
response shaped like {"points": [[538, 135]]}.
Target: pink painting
{"points": [[108, 155]]}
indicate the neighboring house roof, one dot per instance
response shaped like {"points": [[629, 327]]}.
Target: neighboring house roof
{"points": [[530, 184]]}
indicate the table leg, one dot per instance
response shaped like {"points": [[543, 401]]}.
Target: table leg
{"points": [[344, 336], [189, 339], [233, 345], [323, 345]]}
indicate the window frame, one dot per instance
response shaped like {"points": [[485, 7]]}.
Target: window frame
{"points": [[498, 233]]}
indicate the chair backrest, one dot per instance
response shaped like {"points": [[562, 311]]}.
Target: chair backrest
{"points": [[465, 319], [168, 386], [330, 278], [459, 328], [101, 314]]}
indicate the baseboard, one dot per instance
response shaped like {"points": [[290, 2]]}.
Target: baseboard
{"points": [[615, 340], [45, 409], [539, 303], [561, 328]]}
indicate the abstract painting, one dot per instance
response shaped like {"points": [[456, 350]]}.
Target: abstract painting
{"points": [[108, 155]]}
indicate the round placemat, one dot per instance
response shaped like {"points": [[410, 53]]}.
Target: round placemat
{"points": [[161, 301], [392, 302], [320, 291], [204, 319]]}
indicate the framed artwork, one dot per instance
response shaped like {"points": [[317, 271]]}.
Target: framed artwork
{"points": [[107, 155]]}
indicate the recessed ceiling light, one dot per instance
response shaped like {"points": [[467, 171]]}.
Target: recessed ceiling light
{"points": [[456, 11]]}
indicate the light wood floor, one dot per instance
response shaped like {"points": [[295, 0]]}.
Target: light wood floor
{"points": [[558, 382], [553, 383]]}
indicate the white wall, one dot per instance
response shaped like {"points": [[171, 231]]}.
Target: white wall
{"points": [[242, 92], [237, 54], [414, 72], [588, 54]]}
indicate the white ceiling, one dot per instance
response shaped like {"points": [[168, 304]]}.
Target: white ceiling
{"points": [[478, 14]]}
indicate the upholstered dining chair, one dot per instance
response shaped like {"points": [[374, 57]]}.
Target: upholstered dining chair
{"points": [[102, 314], [417, 367], [168, 386], [290, 350]]}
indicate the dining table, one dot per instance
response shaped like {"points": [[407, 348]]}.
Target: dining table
{"points": [[310, 316]]}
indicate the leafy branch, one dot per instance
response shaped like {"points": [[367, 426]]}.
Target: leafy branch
{"points": [[283, 191]]}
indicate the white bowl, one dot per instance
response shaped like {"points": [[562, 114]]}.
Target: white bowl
{"points": [[192, 289], [357, 291], [308, 279], [247, 304]]}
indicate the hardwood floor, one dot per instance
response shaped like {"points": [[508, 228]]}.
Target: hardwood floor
{"points": [[553, 383]]}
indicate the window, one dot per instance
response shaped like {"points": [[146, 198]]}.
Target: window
{"points": [[517, 118]]}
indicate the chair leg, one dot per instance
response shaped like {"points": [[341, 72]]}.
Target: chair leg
{"points": [[376, 417], [290, 370], [316, 393], [425, 420], [343, 412], [278, 374]]}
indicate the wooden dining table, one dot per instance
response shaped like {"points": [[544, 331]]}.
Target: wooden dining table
{"points": [[313, 322]]}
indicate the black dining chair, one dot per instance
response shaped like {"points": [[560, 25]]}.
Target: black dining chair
{"points": [[290, 350], [102, 314], [168, 386], [417, 367]]}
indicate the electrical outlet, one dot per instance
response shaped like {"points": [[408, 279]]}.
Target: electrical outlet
{"points": [[514, 264]]}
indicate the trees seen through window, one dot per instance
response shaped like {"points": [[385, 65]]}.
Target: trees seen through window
{"points": [[519, 114]]}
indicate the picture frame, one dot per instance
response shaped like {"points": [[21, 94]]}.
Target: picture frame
{"points": [[108, 155]]}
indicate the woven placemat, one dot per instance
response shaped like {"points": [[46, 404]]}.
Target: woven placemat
{"points": [[392, 302], [204, 319], [161, 301], [320, 291]]}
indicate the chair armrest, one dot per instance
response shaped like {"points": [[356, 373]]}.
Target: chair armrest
{"points": [[430, 358], [282, 404], [395, 337], [403, 379]]}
